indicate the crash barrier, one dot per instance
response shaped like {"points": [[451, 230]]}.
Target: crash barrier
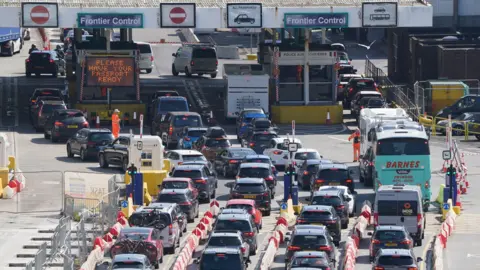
{"points": [[438, 126], [446, 229], [277, 238], [102, 244], [12, 180], [200, 233], [189, 35], [227, 52], [351, 250], [15, 185]]}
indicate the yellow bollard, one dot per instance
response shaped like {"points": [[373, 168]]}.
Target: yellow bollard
{"points": [[4, 176], [439, 198], [457, 210], [1, 191], [147, 199], [11, 164]]}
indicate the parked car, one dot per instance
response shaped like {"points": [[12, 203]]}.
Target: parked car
{"points": [[348, 196], [322, 215], [233, 239], [146, 56], [178, 157], [45, 110], [260, 159], [239, 222], [221, 258], [306, 260], [255, 189], [259, 170], [179, 183], [129, 261], [334, 174], [396, 259], [335, 199]]}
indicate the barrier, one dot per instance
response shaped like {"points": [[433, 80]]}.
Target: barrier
{"points": [[227, 52], [189, 35], [446, 230]]}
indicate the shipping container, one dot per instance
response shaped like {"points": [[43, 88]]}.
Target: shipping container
{"points": [[458, 63]]}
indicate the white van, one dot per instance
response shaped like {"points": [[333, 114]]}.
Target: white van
{"points": [[146, 56], [401, 205]]}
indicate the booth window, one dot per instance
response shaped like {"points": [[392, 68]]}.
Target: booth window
{"points": [[291, 83]]}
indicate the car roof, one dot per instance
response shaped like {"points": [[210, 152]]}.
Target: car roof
{"points": [[265, 132], [98, 130], [310, 231], [249, 180], [158, 205], [171, 179], [137, 229], [281, 139], [184, 113], [196, 167], [307, 150], [174, 191], [331, 192], [233, 211], [53, 102], [317, 207], [238, 149], [363, 78], [196, 128], [129, 257], [70, 111], [222, 233], [257, 157], [242, 216], [351, 75], [172, 98], [334, 166], [254, 165], [344, 188], [310, 253], [396, 251], [369, 93], [186, 152], [241, 201], [389, 228], [318, 161], [215, 250]]}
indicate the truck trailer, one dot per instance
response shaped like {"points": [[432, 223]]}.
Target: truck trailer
{"points": [[11, 40]]}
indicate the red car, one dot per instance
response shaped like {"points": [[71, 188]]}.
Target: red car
{"points": [[140, 240], [248, 205], [179, 183]]}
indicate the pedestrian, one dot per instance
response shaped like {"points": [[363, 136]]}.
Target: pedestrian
{"points": [[115, 123], [356, 144]]}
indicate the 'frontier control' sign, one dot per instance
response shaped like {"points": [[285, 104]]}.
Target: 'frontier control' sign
{"points": [[110, 20], [313, 20]]}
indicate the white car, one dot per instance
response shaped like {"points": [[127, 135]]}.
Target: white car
{"points": [[303, 154], [177, 157], [146, 56], [346, 192], [277, 151]]}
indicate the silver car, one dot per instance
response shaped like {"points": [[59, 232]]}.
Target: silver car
{"points": [[131, 261], [195, 59], [233, 239]]}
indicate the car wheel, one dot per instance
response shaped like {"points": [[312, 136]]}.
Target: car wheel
{"points": [[418, 242], [125, 164], [187, 72], [28, 74], [53, 139], [200, 74], [213, 75], [214, 194], [345, 225], [69, 151], [225, 172], [102, 161], [45, 135], [83, 157], [174, 70], [148, 70]]}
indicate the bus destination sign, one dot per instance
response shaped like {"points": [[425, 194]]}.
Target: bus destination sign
{"points": [[110, 71]]}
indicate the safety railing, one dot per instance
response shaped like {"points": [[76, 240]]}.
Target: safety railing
{"points": [[439, 126]]}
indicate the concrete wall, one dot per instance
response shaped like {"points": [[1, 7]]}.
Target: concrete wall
{"points": [[468, 11]]}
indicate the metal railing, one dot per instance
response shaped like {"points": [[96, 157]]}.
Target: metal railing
{"points": [[399, 95], [439, 127]]}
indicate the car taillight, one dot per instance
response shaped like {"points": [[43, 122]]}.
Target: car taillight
{"points": [[293, 248], [379, 268], [216, 63], [250, 211], [51, 61], [248, 234], [370, 163], [340, 207], [59, 124], [170, 130], [200, 181], [185, 203], [361, 107], [192, 63], [186, 139], [233, 161], [234, 194], [170, 229], [419, 220], [40, 111], [86, 124], [349, 181], [90, 144], [375, 219], [151, 58], [277, 152], [266, 194], [305, 173], [325, 248], [301, 221], [427, 185], [375, 241], [252, 144], [329, 221], [350, 89], [319, 181], [340, 86], [412, 268], [269, 178], [406, 242], [242, 249], [28, 60]]}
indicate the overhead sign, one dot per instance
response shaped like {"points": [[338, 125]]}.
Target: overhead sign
{"points": [[379, 14], [40, 15], [244, 15], [110, 71], [312, 20], [110, 20], [178, 15], [314, 58]]}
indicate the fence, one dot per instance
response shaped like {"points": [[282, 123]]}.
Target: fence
{"points": [[92, 217], [399, 95]]}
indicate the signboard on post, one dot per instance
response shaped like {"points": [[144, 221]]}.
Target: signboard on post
{"points": [[110, 20], [315, 20], [447, 155], [244, 15], [381, 14], [110, 71], [40, 15], [181, 15]]}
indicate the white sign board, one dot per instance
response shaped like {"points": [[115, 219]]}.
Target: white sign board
{"points": [[447, 154], [379, 14], [292, 147], [178, 15], [40, 15], [244, 15], [289, 58], [87, 185]]}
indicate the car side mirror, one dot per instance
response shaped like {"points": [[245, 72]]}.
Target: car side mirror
{"points": [[419, 259], [348, 199], [174, 54], [196, 261], [161, 237], [370, 233]]}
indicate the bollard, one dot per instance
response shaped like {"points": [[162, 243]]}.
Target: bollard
{"points": [[97, 123]]}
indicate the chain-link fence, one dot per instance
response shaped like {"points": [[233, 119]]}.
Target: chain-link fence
{"points": [[84, 219], [398, 95]]}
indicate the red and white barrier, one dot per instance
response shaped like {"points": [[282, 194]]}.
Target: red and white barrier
{"points": [[447, 228], [215, 208], [15, 185], [275, 240]]}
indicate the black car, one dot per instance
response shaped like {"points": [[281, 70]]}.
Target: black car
{"points": [[242, 222], [322, 215], [367, 167], [169, 126], [227, 160], [205, 180], [87, 142], [334, 174], [308, 171], [155, 96], [63, 124], [45, 110], [255, 189], [243, 18], [366, 101], [260, 159], [44, 92], [43, 62], [259, 140], [389, 237], [258, 124], [309, 260], [115, 153], [221, 258], [335, 199], [259, 170], [215, 132], [354, 86], [183, 197]]}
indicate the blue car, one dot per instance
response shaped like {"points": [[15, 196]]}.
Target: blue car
{"points": [[242, 126], [189, 136]]}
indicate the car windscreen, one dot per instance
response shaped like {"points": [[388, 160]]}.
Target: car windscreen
{"points": [[240, 206], [40, 98], [310, 261], [282, 146], [172, 198], [345, 79], [247, 188], [326, 200], [144, 48], [264, 137], [65, 115], [396, 260], [384, 235], [48, 108], [52, 92], [307, 155], [241, 153], [233, 224], [194, 158], [343, 57], [134, 236], [316, 214], [365, 84], [187, 120], [101, 136], [194, 174], [309, 240], [333, 175], [397, 208], [257, 160], [224, 241], [254, 172], [39, 57], [204, 53], [174, 184], [371, 101], [196, 133], [128, 265], [402, 146], [217, 143], [221, 261], [173, 105], [262, 124]]}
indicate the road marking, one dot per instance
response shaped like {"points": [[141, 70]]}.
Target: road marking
{"points": [[50, 183], [338, 139], [473, 255]]}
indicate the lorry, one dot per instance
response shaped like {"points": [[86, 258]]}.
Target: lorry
{"points": [[246, 87], [369, 120], [11, 40]]}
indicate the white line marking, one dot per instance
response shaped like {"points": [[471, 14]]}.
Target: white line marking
{"points": [[50, 183], [338, 139]]}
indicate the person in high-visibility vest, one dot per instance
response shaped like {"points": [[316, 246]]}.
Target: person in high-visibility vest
{"points": [[115, 123], [356, 144]]}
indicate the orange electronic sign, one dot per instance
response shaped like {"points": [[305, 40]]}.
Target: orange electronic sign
{"points": [[110, 71]]}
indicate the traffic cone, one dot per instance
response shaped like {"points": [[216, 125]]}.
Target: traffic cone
{"points": [[328, 122], [444, 168]]}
